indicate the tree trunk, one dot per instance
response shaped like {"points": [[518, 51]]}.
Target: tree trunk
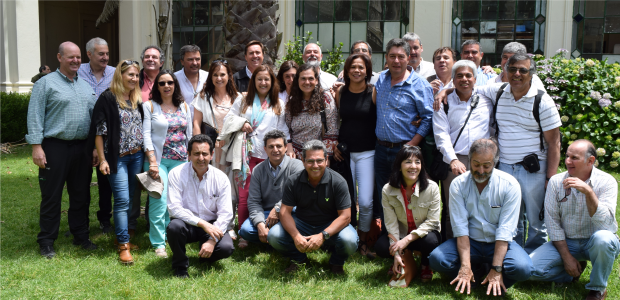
{"points": [[164, 31], [246, 21]]}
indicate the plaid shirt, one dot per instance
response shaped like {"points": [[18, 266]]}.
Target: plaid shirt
{"points": [[570, 219], [398, 106], [59, 108], [86, 73]]}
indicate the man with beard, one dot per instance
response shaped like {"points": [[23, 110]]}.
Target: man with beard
{"points": [[484, 206], [99, 75], [254, 53], [313, 54]]}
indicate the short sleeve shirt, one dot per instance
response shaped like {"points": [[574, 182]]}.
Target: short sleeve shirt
{"points": [[317, 205]]}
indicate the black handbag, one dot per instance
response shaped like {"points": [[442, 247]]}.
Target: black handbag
{"points": [[206, 128], [439, 169]]}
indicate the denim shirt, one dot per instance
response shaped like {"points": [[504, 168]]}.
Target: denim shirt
{"points": [[488, 216]]}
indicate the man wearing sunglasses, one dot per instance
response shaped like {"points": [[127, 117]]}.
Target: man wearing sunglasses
{"points": [[580, 206], [511, 49]]}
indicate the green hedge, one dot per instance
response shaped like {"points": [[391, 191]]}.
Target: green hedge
{"points": [[588, 92], [14, 112]]}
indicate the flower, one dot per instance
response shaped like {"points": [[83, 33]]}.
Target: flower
{"points": [[608, 137], [553, 88], [596, 163], [589, 63], [564, 119], [613, 164], [573, 136], [604, 102], [565, 61], [579, 117], [607, 96], [549, 80], [561, 50], [616, 154], [554, 97], [617, 84], [577, 130], [595, 95], [618, 78], [600, 152], [578, 59], [562, 81], [617, 104], [566, 69], [575, 71]]}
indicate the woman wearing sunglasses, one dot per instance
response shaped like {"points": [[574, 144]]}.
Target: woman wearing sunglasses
{"points": [[116, 132], [167, 129]]}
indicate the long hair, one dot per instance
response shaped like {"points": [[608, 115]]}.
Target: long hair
{"points": [[396, 176], [347, 68], [294, 106], [274, 103], [118, 88], [177, 97], [285, 67], [209, 87]]}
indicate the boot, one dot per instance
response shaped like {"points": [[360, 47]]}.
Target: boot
{"points": [[131, 246], [124, 254]]}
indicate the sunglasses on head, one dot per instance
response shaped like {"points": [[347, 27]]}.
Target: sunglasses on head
{"points": [[221, 60], [163, 83], [130, 62]]}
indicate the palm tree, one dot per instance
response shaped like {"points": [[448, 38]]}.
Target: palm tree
{"points": [[245, 21]]}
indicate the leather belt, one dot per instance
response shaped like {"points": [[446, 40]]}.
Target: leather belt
{"points": [[390, 144], [132, 151]]}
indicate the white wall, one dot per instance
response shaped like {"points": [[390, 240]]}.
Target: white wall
{"points": [[137, 27], [432, 19], [559, 26], [20, 50]]}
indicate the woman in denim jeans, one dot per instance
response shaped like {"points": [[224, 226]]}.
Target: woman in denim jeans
{"points": [[167, 129], [116, 130]]}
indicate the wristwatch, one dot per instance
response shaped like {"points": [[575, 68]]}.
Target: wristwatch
{"points": [[497, 269], [325, 235]]}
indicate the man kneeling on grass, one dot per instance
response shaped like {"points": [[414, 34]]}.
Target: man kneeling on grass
{"points": [[323, 213], [265, 196], [200, 207], [580, 207]]}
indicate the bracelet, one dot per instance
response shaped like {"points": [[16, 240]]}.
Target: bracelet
{"points": [[153, 166], [103, 161], [151, 155]]}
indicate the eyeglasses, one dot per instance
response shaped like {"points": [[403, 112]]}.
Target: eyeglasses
{"points": [[566, 194], [360, 50], [220, 60], [312, 161], [523, 71], [130, 62], [163, 83]]}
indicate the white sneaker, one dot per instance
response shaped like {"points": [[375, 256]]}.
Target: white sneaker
{"points": [[232, 234], [161, 252]]}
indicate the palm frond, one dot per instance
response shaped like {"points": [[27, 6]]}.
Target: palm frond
{"points": [[111, 6]]}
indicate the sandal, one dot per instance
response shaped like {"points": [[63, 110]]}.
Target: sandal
{"points": [[427, 274], [364, 251]]}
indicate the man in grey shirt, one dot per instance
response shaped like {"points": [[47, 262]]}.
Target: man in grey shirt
{"points": [[265, 195]]}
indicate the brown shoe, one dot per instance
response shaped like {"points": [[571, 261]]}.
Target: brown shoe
{"points": [[596, 295], [124, 254], [131, 246], [294, 266], [337, 270]]}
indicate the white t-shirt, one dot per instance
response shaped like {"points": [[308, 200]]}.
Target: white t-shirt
{"points": [[327, 80], [519, 134]]}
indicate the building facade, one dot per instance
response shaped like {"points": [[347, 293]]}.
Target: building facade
{"points": [[32, 30]]}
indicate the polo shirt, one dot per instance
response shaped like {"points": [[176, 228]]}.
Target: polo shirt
{"points": [[317, 205]]}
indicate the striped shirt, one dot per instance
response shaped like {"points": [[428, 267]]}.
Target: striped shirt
{"points": [[483, 79], [571, 219], [446, 128], [60, 108], [519, 133], [86, 73], [398, 106]]}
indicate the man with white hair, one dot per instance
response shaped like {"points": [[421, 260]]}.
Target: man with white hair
{"points": [[511, 49], [312, 54], [423, 68], [98, 74]]}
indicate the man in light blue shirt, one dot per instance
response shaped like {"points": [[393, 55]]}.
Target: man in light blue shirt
{"points": [[484, 206], [470, 50]]}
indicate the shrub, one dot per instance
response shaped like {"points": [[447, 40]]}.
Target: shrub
{"points": [[14, 112], [332, 60], [588, 93]]}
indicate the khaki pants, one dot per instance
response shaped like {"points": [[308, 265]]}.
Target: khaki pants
{"points": [[446, 227]]}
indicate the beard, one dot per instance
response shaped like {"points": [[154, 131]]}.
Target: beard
{"points": [[481, 177]]}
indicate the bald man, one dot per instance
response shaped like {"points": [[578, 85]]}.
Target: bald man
{"points": [[580, 212], [59, 114]]}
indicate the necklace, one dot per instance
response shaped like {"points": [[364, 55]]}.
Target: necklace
{"points": [[218, 102], [167, 109]]}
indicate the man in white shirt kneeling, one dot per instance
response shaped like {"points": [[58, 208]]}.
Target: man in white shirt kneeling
{"points": [[200, 207]]}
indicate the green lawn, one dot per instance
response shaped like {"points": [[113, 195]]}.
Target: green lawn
{"points": [[249, 274]]}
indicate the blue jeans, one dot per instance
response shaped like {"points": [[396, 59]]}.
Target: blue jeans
{"points": [[532, 200], [345, 241], [384, 158], [123, 184], [362, 169], [601, 249], [517, 264], [158, 208], [249, 232]]}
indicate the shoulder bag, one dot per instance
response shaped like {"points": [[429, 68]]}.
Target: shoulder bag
{"points": [[206, 128]]}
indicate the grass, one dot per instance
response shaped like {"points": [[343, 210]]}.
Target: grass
{"points": [[255, 272]]}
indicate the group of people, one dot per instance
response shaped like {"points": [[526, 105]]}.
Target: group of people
{"points": [[295, 154]]}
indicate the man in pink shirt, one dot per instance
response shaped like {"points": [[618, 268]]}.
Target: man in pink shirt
{"points": [[152, 60]]}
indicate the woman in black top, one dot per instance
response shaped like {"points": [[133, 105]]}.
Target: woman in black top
{"points": [[356, 101]]}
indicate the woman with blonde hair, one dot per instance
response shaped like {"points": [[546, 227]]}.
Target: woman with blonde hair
{"points": [[116, 132]]}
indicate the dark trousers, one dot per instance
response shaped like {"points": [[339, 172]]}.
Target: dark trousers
{"points": [[105, 198], [66, 162], [384, 158], [425, 245], [180, 234]]}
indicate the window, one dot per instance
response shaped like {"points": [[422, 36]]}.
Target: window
{"points": [[200, 23], [497, 23], [596, 28], [347, 21]]}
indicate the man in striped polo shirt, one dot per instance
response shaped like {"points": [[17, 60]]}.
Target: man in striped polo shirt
{"points": [[519, 135]]}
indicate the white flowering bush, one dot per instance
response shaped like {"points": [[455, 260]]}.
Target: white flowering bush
{"points": [[587, 92]]}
